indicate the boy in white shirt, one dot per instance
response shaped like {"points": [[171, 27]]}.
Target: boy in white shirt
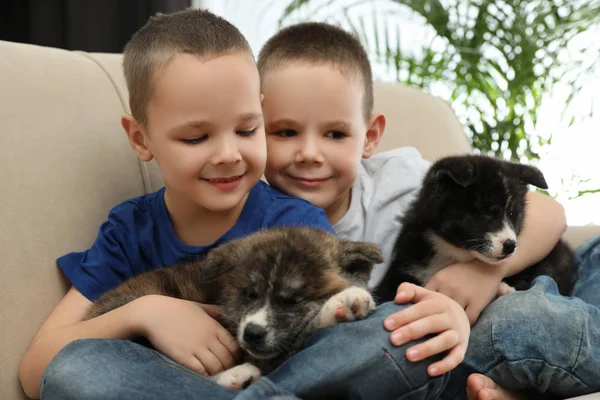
{"points": [[322, 135]]}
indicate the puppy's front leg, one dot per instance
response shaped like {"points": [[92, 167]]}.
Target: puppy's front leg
{"points": [[348, 305], [238, 377]]}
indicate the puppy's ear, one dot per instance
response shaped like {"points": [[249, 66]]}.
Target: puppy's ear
{"points": [[531, 175], [358, 258], [215, 264], [459, 169]]}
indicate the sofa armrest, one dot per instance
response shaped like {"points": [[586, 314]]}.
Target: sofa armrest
{"points": [[64, 162], [575, 235]]}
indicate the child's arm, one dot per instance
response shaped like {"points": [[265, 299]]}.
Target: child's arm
{"points": [[167, 322], [431, 313], [544, 224]]}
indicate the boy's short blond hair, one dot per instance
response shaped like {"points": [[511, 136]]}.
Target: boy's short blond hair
{"points": [[319, 43], [192, 31]]}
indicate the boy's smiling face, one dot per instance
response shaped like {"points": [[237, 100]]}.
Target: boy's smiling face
{"points": [[316, 133], [205, 130]]}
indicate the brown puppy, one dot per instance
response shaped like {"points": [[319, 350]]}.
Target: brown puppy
{"points": [[276, 287]]}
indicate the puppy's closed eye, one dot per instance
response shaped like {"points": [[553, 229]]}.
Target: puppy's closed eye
{"points": [[290, 299], [250, 293]]}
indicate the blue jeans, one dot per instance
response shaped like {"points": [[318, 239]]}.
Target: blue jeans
{"points": [[538, 339], [351, 360]]}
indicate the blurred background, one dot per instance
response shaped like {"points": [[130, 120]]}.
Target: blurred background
{"points": [[90, 25], [522, 75]]}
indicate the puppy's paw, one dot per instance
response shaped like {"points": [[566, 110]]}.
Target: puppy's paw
{"points": [[238, 377], [348, 305], [505, 288]]}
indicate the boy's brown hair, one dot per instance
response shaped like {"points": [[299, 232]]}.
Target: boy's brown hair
{"points": [[192, 31], [319, 43]]}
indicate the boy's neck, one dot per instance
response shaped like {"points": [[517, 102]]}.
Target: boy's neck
{"points": [[336, 211], [196, 226]]}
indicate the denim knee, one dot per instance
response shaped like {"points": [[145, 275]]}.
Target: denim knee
{"points": [[589, 250], [71, 375], [537, 339], [535, 324], [387, 362], [357, 360], [121, 369], [587, 286], [414, 372]]}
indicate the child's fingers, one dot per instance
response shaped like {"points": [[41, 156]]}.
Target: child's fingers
{"points": [[229, 342], [209, 361], [442, 342], [412, 313], [195, 365], [404, 293], [223, 355], [421, 327], [451, 361], [409, 292]]}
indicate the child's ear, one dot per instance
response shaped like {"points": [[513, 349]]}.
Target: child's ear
{"points": [[137, 137], [374, 133]]}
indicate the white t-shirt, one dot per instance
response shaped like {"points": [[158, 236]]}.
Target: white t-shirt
{"points": [[386, 185]]}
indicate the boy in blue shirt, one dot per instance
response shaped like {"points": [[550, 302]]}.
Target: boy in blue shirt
{"points": [[196, 109]]}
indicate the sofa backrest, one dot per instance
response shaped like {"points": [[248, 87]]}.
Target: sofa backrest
{"points": [[65, 161], [417, 119]]}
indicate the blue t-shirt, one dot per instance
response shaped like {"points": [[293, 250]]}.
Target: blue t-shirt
{"points": [[138, 237]]}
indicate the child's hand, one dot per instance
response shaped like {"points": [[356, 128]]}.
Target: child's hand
{"points": [[187, 332], [431, 313], [473, 285]]}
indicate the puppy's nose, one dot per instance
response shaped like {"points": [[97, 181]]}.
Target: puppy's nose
{"points": [[508, 246], [254, 334]]}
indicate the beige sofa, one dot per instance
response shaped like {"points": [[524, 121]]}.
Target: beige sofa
{"points": [[65, 162]]}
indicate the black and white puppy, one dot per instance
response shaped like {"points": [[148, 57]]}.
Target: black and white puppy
{"points": [[275, 287], [470, 207]]}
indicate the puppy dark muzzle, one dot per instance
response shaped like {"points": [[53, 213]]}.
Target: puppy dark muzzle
{"points": [[254, 341], [254, 336], [508, 247]]}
